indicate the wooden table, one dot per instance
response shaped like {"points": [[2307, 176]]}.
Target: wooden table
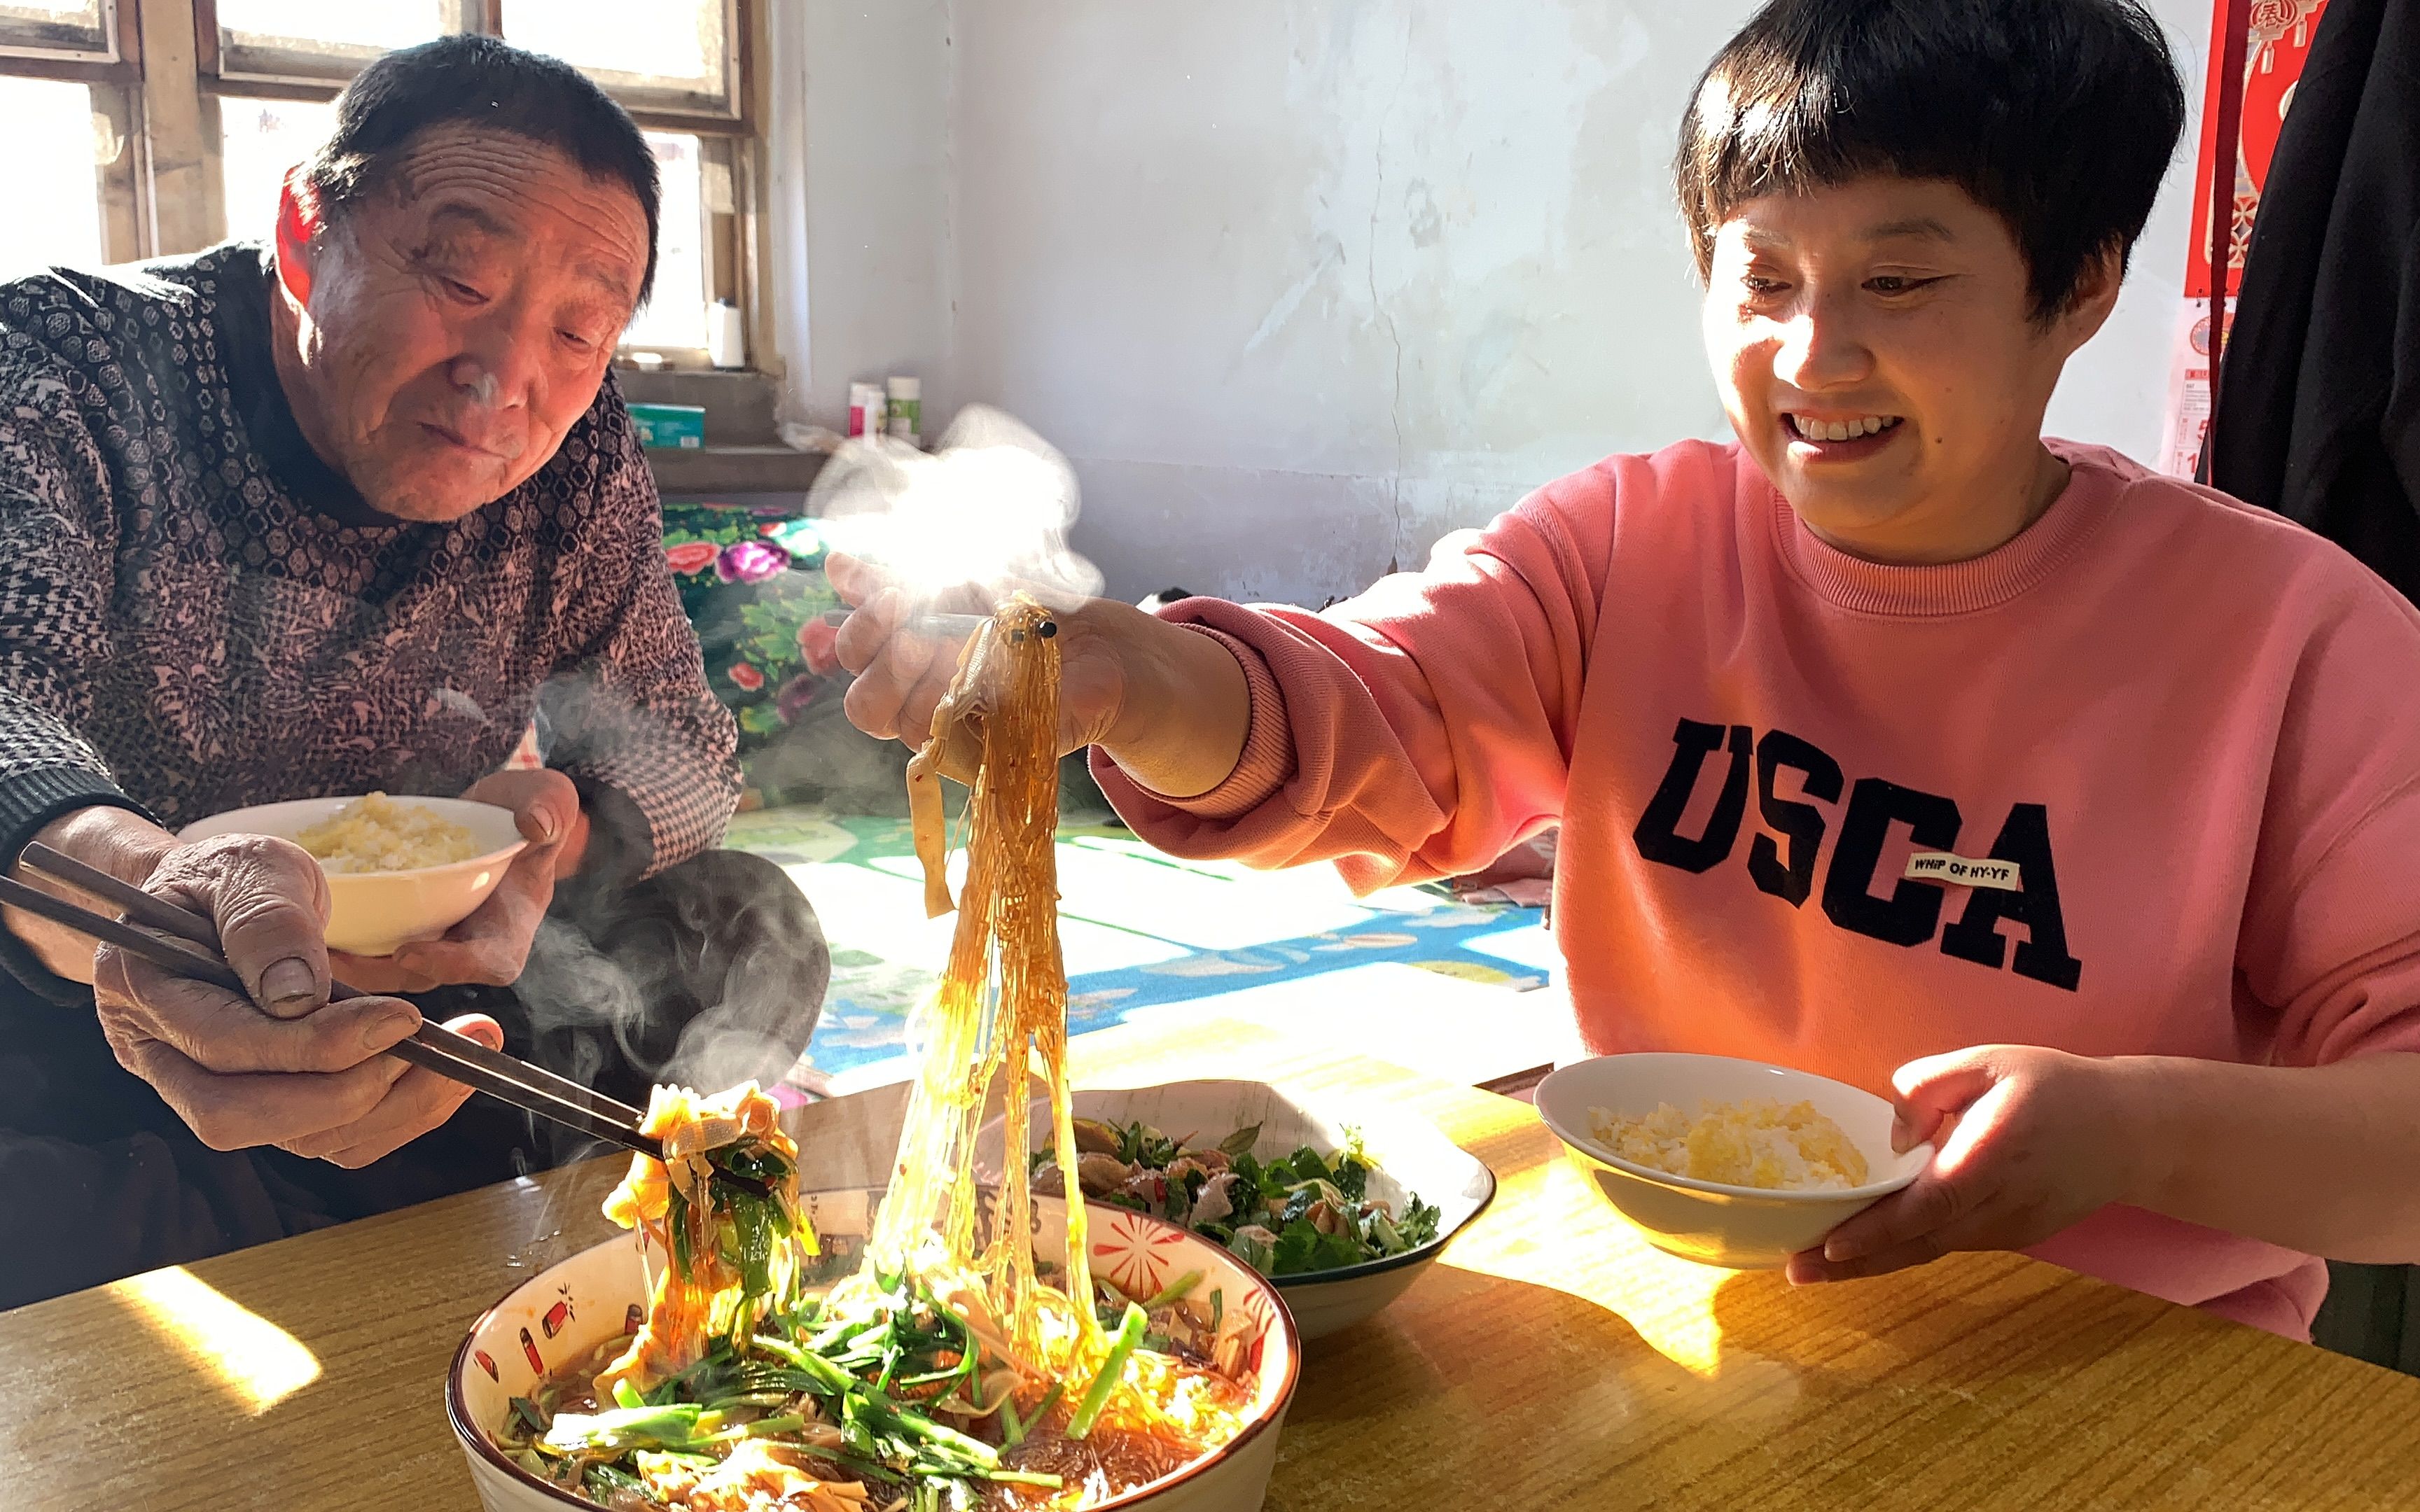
{"points": [[1551, 1360]]}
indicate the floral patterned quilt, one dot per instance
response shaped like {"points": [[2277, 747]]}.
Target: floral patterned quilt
{"points": [[751, 581]]}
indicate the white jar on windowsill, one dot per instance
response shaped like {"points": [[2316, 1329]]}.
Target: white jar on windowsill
{"points": [[726, 342]]}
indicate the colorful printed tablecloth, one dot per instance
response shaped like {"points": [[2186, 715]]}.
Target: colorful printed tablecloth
{"points": [[1139, 930]]}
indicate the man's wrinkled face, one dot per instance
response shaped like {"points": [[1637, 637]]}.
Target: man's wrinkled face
{"points": [[459, 319]]}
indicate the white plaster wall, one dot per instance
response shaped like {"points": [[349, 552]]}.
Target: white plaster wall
{"points": [[2116, 390], [862, 256], [1301, 286]]}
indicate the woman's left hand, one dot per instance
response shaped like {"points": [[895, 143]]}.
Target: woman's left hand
{"points": [[2028, 1140]]}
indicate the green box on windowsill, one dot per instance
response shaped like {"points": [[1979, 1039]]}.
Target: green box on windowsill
{"points": [[670, 427]]}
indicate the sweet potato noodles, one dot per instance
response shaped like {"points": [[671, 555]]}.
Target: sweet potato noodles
{"points": [[999, 726], [951, 1370]]}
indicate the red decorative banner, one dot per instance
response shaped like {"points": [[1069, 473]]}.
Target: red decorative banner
{"points": [[2276, 43], [2274, 53]]}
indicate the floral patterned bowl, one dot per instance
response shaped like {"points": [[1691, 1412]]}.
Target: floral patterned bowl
{"points": [[1411, 1157], [569, 1309]]}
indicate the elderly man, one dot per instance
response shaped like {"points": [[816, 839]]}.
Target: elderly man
{"points": [[359, 512]]}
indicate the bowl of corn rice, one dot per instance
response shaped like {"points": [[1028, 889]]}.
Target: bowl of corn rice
{"points": [[399, 868], [1728, 1162]]}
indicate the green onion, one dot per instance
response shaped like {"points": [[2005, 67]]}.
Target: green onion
{"points": [[677, 1219], [622, 1428], [832, 1378], [1015, 1431], [1024, 1477], [762, 1428], [945, 1310], [713, 1359], [866, 1412], [924, 1427], [1177, 1291], [602, 1480], [1121, 1347], [625, 1394], [527, 1410], [777, 1422], [749, 1399]]}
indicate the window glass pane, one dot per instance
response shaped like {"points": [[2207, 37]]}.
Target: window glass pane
{"points": [[354, 27], [83, 13], [57, 194], [259, 140], [677, 316], [678, 45], [71, 26]]}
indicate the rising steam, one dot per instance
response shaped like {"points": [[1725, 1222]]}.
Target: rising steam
{"points": [[989, 508], [720, 978]]}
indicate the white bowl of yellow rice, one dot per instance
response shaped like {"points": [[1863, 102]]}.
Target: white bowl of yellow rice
{"points": [[1728, 1162], [399, 868]]}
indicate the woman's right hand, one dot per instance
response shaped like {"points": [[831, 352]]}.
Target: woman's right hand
{"points": [[906, 654], [1170, 706]]}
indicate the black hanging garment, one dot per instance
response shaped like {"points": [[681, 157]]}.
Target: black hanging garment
{"points": [[2317, 413]]}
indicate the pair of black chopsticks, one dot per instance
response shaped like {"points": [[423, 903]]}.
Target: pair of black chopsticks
{"points": [[431, 1046]]}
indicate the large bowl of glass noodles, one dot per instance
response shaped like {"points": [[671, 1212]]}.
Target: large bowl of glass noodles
{"points": [[837, 1392], [945, 1348]]}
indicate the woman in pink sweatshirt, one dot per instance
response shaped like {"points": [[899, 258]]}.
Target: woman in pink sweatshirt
{"points": [[2077, 807]]}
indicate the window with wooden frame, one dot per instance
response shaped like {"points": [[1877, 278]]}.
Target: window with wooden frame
{"points": [[265, 72], [71, 73]]}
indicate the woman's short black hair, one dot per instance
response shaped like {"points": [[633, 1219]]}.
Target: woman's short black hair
{"points": [[480, 81], [2060, 116]]}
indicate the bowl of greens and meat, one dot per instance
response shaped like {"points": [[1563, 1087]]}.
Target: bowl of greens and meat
{"points": [[1340, 1206]]}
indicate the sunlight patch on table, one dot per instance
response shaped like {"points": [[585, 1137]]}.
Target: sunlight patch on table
{"points": [[1668, 1300], [257, 1362]]}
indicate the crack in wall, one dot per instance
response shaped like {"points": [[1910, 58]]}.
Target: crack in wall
{"points": [[1395, 405]]}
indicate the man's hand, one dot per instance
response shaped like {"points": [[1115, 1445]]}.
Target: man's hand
{"points": [[108, 838], [2036, 1139], [283, 1066], [493, 944]]}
